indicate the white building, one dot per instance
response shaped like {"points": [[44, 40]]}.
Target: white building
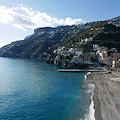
{"points": [[79, 53], [57, 58], [72, 50]]}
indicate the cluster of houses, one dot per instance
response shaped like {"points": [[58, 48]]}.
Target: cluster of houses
{"points": [[99, 55], [108, 57]]}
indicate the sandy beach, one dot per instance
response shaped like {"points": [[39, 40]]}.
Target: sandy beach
{"points": [[106, 95]]}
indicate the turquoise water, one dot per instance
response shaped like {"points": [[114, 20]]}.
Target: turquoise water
{"points": [[30, 89]]}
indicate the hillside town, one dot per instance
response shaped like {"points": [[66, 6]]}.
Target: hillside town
{"points": [[95, 58]]}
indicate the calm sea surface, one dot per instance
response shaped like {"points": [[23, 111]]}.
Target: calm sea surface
{"points": [[30, 89]]}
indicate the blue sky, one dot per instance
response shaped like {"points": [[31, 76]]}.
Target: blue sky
{"points": [[18, 18]]}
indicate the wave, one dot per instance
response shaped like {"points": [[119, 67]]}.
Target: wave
{"points": [[88, 91], [90, 114]]}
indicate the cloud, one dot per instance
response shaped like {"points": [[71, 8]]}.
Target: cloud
{"points": [[27, 19]]}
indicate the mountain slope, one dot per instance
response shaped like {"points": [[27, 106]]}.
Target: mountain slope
{"points": [[101, 32], [46, 39], [39, 42]]}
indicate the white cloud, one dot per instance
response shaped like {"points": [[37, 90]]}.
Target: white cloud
{"points": [[27, 19]]}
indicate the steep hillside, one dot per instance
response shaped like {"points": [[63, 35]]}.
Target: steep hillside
{"points": [[102, 33], [34, 45], [105, 33]]}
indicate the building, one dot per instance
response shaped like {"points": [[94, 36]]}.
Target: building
{"points": [[57, 59], [93, 54], [72, 50], [76, 59], [116, 63], [79, 53], [107, 61], [115, 55]]}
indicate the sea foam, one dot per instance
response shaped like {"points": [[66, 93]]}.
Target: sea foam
{"points": [[89, 88]]}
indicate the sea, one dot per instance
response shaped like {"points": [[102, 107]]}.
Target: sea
{"points": [[31, 89]]}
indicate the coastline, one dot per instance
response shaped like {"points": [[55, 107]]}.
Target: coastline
{"points": [[101, 96], [87, 102], [106, 96], [89, 83]]}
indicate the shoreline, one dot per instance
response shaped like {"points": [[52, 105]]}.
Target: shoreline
{"points": [[91, 87], [103, 93], [88, 90]]}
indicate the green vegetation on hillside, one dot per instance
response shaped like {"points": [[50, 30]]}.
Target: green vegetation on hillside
{"points": [[47, 39]]}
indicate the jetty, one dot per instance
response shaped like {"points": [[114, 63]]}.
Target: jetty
{"points": [[79, 70]]}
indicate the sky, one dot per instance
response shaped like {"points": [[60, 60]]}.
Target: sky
{"points": [[19, 18]]}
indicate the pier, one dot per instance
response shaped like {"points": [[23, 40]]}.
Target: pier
{"points": [[79, 70]]}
